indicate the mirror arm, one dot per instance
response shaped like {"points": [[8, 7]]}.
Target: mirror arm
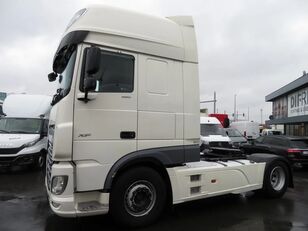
{"points": [[85, 99]]}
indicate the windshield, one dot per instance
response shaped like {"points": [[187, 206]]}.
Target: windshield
{"points": [[233, 133], [299, 143], [212, 129], [65, 78], [20, 125]]}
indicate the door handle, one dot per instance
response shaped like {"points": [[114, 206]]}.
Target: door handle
{"points": [[128, 135]]}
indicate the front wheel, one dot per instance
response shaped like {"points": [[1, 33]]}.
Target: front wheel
{"points": [[138, 197], [39, 161], [276, 180]]}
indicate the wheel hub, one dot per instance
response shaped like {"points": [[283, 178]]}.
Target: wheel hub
{"points": [[277, 178], [140, 198]]}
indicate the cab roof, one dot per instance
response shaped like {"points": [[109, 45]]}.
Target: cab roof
{"points": [[172, 37]]}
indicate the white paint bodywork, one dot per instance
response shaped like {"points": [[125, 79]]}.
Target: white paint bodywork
{"points": [[18, 140], [215, 178], [172, 38]]}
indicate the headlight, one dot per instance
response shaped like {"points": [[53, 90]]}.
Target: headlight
{"points": [[58, 184], [31, 143]]}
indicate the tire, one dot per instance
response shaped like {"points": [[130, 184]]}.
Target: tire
{"points": [[138, 197], [39, 161], [276, 180]]}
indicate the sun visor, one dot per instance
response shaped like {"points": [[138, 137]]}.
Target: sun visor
{"points": [[72, 38]]}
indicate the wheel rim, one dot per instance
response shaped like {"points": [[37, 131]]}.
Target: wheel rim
{"points": [[140, 198], [277, 178]]}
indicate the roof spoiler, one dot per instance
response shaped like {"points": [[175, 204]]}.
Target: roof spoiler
{"points": [[183, 20]]}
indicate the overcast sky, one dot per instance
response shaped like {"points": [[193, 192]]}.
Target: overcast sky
{"points": [[246, 47]]}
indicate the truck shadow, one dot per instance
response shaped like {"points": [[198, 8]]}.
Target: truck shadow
{"points": [[228, 212]]}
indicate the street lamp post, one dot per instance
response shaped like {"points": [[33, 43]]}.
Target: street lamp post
{"points": [[234, 115]]}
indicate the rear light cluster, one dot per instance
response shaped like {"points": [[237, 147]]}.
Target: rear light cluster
{"points": [[293, 151]]}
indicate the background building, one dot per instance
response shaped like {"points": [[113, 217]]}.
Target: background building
{"points": [[290, 107]]}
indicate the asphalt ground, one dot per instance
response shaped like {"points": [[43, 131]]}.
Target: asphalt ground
{"points": [[23, 206]]}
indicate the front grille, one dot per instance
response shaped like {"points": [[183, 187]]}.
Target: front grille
{"points": [[49, 163], [219, 144], [10, 150], [7, 160]]}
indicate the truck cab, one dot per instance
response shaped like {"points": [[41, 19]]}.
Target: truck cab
{"points": [[143, 103]]}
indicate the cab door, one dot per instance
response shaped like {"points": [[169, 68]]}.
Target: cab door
{"points": [[105, 127]]}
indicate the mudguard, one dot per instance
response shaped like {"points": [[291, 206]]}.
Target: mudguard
{"points": [[270, 158]]}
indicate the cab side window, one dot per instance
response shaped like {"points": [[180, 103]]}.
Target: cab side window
{"points": [[116, 73]]}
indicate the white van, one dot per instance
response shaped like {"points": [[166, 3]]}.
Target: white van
{"points": [[213, 134], [250, 130], [23, 130]]}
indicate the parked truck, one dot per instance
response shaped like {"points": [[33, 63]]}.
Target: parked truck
{"points": [[124, 128], [23, 130]]}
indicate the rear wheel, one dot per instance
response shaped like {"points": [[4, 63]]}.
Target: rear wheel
{"points": [[276, 180], [138, 197]]}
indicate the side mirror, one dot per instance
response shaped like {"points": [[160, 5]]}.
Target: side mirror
{"points": [[52, 76], [93, 60], [89, 84], [43, 134]]}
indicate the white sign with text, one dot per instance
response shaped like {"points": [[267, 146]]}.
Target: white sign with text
{"points": [[298, 103]]}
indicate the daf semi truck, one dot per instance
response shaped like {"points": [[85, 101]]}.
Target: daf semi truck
{"points": [[124, 128]]}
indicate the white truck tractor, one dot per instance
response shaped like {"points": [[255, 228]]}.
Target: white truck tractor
{"points": [[124, 128], [23, 130]]}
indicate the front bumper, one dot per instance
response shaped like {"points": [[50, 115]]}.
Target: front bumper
{"points": [[18, 160], [71, 203], [79, 204]]}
